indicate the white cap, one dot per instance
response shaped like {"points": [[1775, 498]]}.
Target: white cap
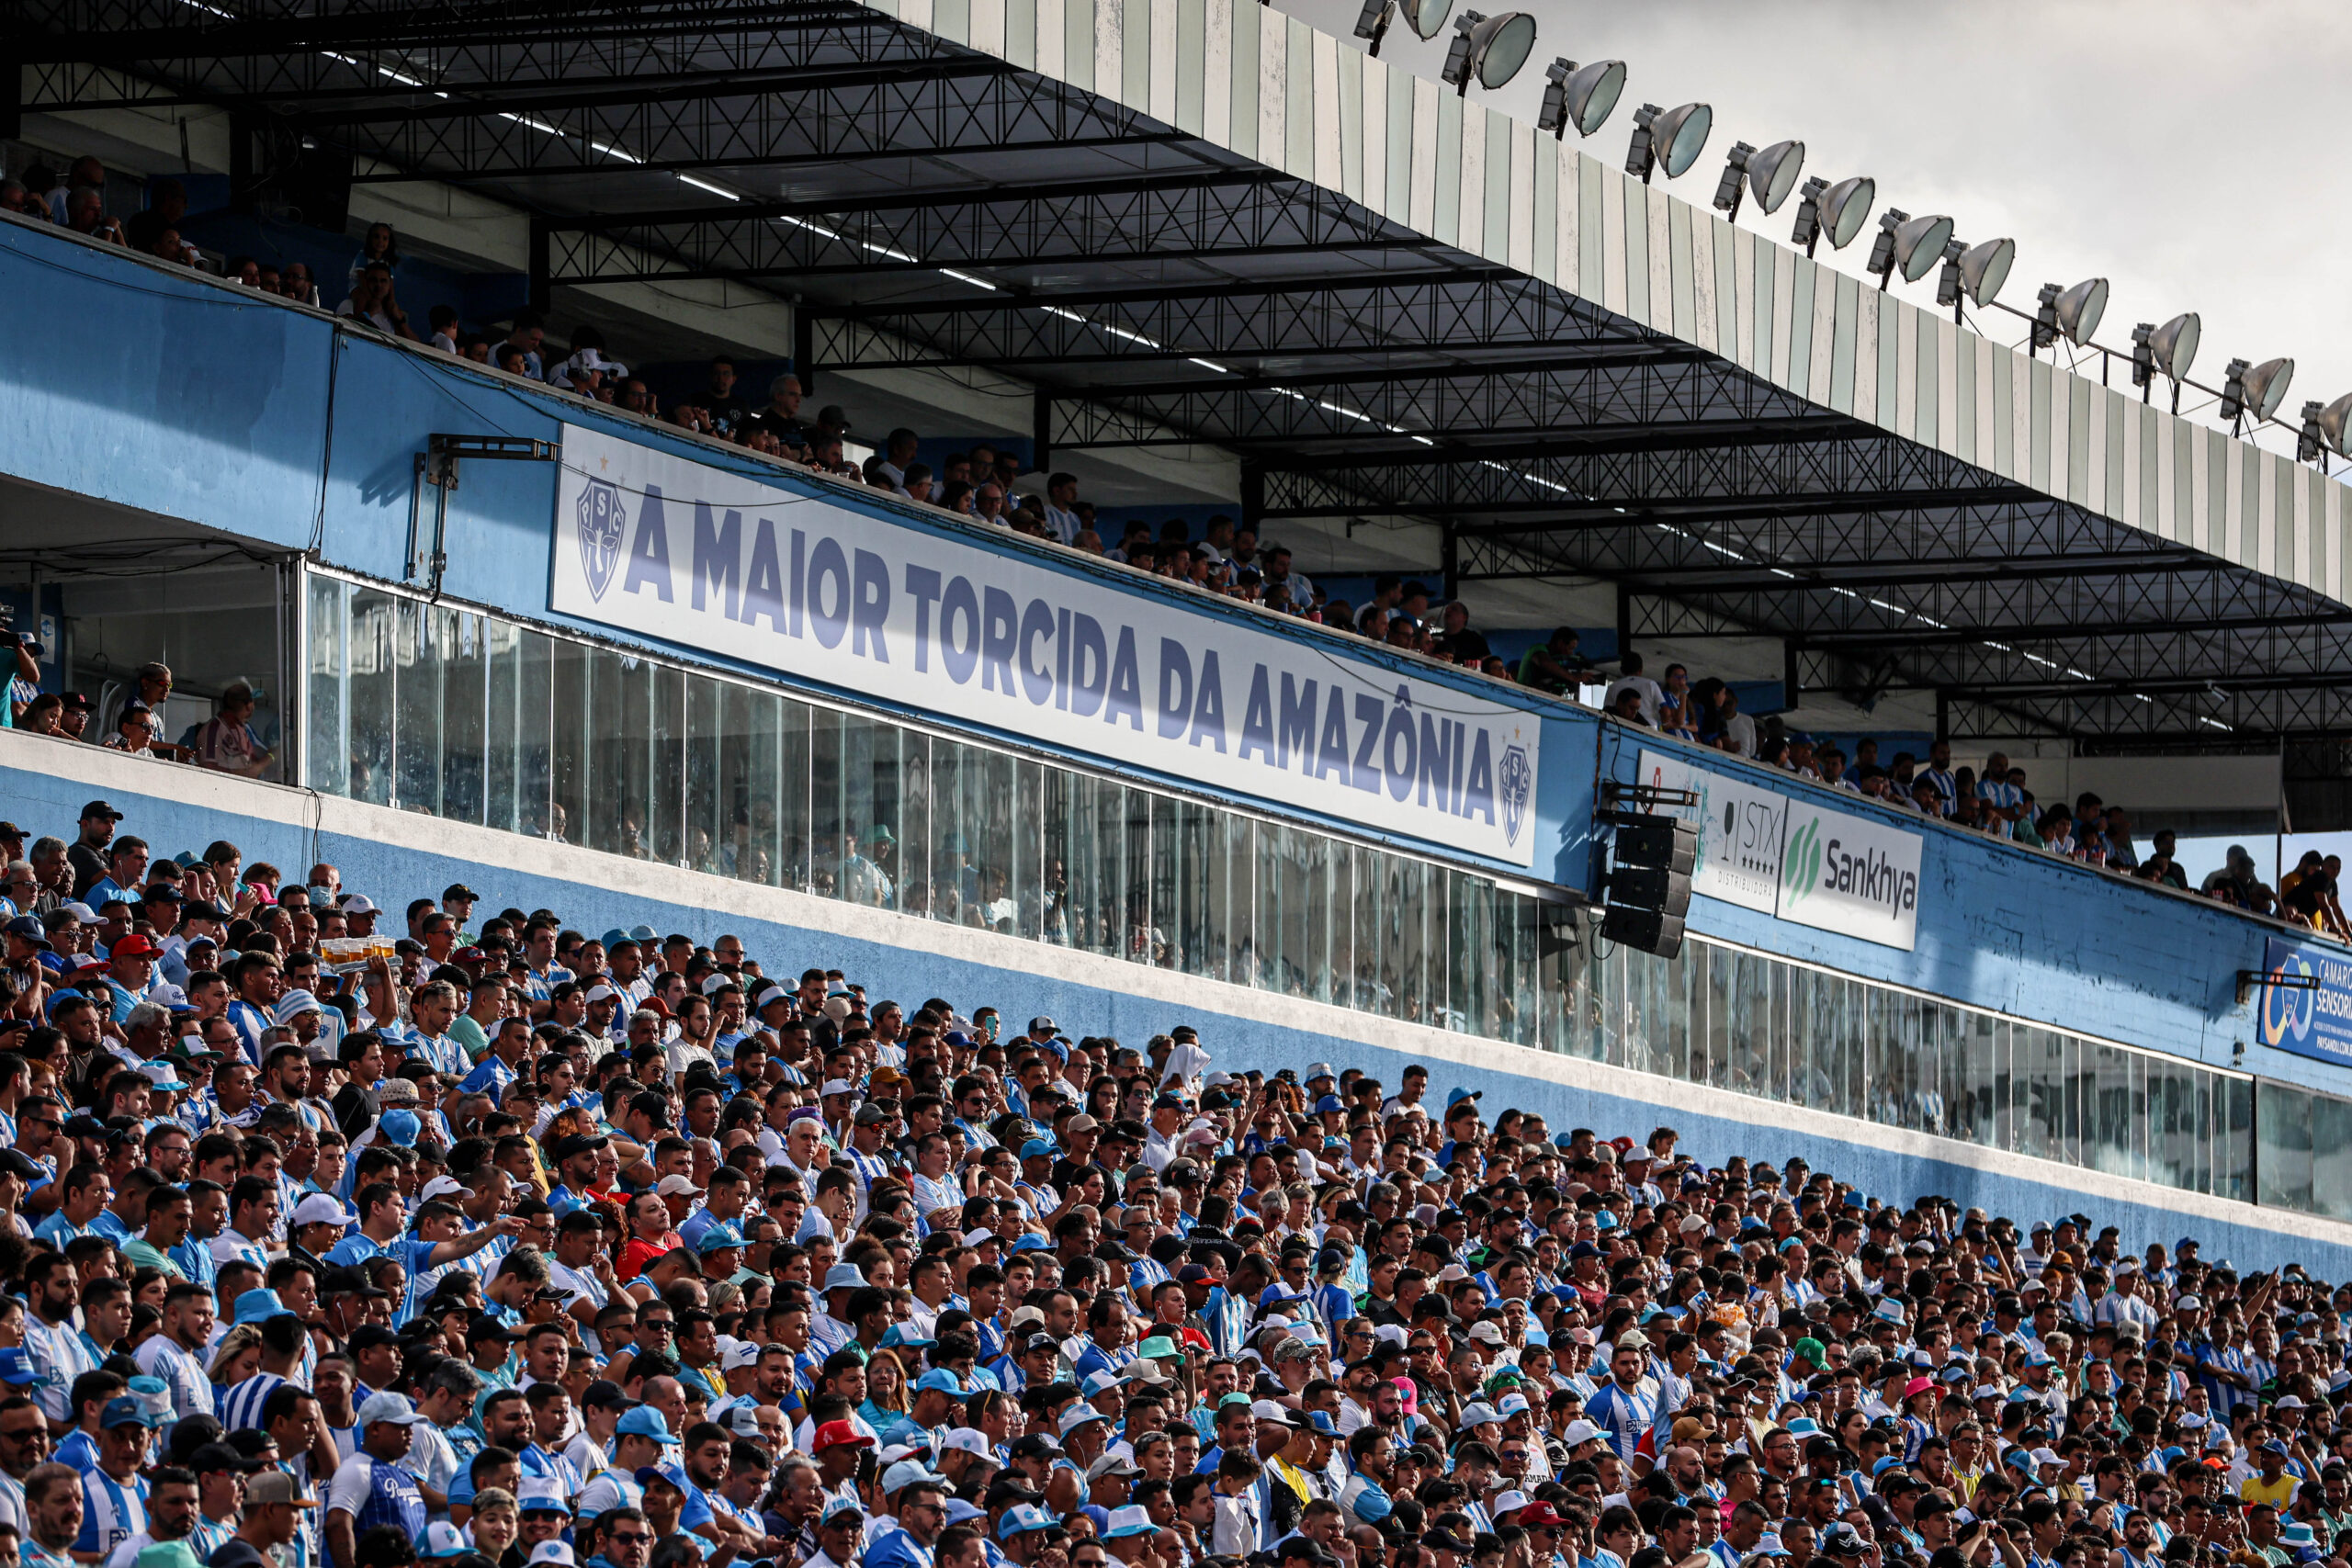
{"points": [[1510, 1502], [545, 1496], [970, 1440], [601, 992], [321, 1209], [359, 904], [1580, 1431], [837, 1086], [675, 1187], [443, 1187], [552, 1551], [742, 1353]]}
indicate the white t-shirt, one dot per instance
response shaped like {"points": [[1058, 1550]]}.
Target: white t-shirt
{"points": [[1641, 686]]}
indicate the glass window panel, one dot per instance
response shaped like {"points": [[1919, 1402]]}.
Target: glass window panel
{"points": [[1711, 1053], [573, 721], [1110, 828], [1317, 867], [1274, 891], [517, 741], [1472, 949], [954, 878], [1136, 878], [2232, 1147], [747, 776], [1025, 835], [665, 765], [827, 765], [2282, 1155], [796, 790], [1057, 920], [1216, 832], [1200, 889], [709, 801], [1238, 903], [987, 811], [2332, 1157], [1170, 850], [912, 850], [465, 694], [416, 710], [326, 744]]}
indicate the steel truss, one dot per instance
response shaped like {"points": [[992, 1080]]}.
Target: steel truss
{"points": [[1158, 291]]}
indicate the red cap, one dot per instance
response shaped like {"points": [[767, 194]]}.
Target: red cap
{"points": [[134, 946], [1536, 1514], [839, 1434]]}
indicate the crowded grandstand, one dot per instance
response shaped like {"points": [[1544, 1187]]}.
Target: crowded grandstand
{"points": [[365, 1232]]}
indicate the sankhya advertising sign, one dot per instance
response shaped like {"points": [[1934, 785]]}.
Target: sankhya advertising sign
{"points": [[703, 557]]}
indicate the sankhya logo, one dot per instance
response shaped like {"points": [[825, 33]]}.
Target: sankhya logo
{"points": [[1517, 784], [1800, 867], [601, 524]]}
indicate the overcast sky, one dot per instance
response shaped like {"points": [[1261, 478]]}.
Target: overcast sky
{"points": [[2186, 151]]}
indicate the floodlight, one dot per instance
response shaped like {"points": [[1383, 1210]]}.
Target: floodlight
{"points": [[2073, 314], [1491, 48], [1671, 138], [2171, 348], [1426, 17], [1772, 174], [1838, 211], [2257, 391], [2335, 423], [1974, 271], [1581, 95], [1908, 243], [1372, 24]]}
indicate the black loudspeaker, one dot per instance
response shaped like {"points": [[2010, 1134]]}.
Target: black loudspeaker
{"points": [[1649, 883], [1652, 931], [1666, 841], [1650, 888]]}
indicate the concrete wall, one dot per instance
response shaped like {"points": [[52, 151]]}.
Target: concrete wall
{"points": [[395, 856]]}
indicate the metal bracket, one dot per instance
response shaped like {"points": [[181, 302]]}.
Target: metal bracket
{"points": [[1620, 798], [2250, 980], [437, 466]]}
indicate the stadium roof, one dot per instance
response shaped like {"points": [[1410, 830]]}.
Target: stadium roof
{"points": [[1194, 221]]}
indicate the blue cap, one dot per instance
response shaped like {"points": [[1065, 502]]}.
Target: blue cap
{"points": [[1040, 1148], [1032, 1242], [122, 1410], [1322, 1424], [260, 1306], [645, 1422], [613, 939], [1328, 1103], [718, 1237], [1023, 1517], [939, 1380], [669, 1474], [1454, 1097], [400, 1127], [904, 1335], [16, 1368]]}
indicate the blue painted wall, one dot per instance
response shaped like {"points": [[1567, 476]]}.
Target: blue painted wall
{"points": [[392, 873]]}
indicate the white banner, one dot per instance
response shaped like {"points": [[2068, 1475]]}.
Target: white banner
{"points": [[1739, 831], [1851, 875], [701, 558]]}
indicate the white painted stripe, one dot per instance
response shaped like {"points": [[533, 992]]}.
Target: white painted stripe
{"points": [[1783, 308], [1743, 279], [1568, 271], [1615, 187], [1655, 214], [1706, 232], [2021, 417], [1470, 219], [1327, 111], [1217, 74], [1868, 314], [1521, 240], [1375, 137], [1423, 217], [1273, 86], [1904, 322], [1987, 439], [1948, 350], [1161, 67], [1052, 51], [2095, 481], [2128, 506]]}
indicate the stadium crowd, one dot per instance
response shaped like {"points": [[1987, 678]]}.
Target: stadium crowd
{"points": [[358, 1235]]}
